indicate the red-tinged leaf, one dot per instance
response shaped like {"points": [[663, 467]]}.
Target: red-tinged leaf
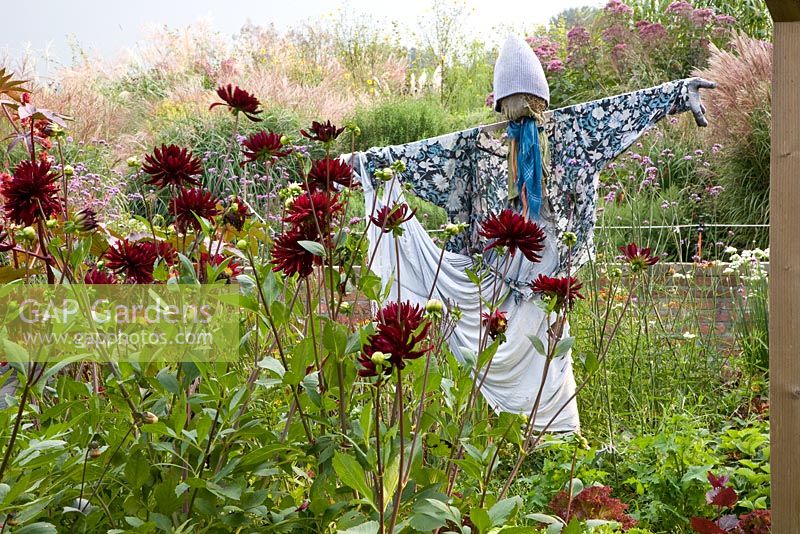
{"points": [[705, 526], [725, 497], [717, 482]]}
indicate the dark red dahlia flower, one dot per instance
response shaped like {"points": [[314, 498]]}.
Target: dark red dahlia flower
{"points": [[264, 146], [512, 230], [290, 257], [6, 240], [496, 323], [236, 213], [190, 204], [638, 258], [238, 100], [312, 209], [98, 276], [322, 132], [562, 291], [232, 267], [31, 194], [133, 260], [326, 173], [391, 218], [163, 250], [172, 165], [399, 334]]}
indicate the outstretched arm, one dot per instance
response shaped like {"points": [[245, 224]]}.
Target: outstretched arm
{"points": [[437, 169], [585, 137], [594, 133]]}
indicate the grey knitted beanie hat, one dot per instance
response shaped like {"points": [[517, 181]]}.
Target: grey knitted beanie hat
{"points": [[518, 70]]}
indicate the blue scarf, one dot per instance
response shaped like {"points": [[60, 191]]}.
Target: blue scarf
{"points": [[529, 162]]}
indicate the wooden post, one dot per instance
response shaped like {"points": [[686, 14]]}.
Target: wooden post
{"points": [[784, 283]]}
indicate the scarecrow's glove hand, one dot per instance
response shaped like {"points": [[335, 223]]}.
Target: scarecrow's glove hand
{"points": [[695, 104]]}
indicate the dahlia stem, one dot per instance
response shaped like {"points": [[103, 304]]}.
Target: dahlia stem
{"points": [[17, 422], [311, 321], [51, 277], [417, 418], [381, 505], [279, 345], [400, 484], [528, 445], [438, 270], [397, 254]]}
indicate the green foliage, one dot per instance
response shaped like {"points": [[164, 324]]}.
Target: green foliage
{"points": [[743, 171], [399, 121]]}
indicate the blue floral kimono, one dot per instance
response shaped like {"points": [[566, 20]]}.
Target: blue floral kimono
{"points": [[465, 174]]}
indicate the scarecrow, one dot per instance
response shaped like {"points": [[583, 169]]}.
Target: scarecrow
{"points": [[548, 171]]}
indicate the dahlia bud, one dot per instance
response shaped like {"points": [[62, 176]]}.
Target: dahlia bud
{"points": [[616, 272], [353, 128], [452, 230], [149, 418], [380, 359], [569, 239], [69, 170], [384, 174], [85, 221], [434, 308], [51, 223], [242, 244], [285, 140], [399, 166], [134, 162], [28, 233]]}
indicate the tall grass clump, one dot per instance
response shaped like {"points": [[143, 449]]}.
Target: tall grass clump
{"points": [[740, 110], [400, 121]]}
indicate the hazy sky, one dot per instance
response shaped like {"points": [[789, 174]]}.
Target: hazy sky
{"points": [[108, 28]]}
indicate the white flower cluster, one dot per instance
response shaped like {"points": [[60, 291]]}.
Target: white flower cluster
{"points": [[747, 263]]}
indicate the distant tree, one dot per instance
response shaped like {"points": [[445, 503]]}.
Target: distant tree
{"points": [[575, 16]]}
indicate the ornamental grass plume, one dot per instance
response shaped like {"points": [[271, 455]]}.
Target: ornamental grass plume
{"points": [[327, 173], [400, 332], [31, 194], [743, 74], [264, 146], [190, 204], [238, 101], [561, 292], [512, 230], [172, 166], [391, 218]]}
